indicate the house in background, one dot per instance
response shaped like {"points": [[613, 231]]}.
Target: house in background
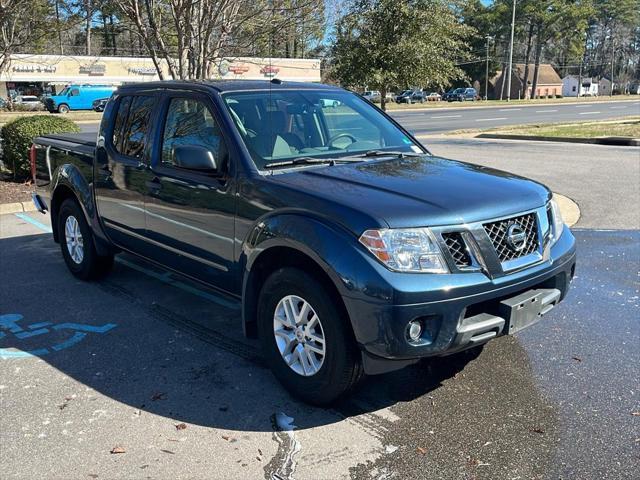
{"points": [[605, 86], [589, 87], [549, 82]]}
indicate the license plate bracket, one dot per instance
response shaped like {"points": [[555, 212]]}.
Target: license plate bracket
{"points": [[527, 308]]}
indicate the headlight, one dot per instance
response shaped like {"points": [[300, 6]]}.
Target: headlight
{"points": [[405, 250], [557, 225]]}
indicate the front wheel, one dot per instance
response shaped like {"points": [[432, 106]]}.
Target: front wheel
{"points": [[306, 339], [63, 108], [76, 243]]}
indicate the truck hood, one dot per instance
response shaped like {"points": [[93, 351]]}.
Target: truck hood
{"points": [[420, 191]]}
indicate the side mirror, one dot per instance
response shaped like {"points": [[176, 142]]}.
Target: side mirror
{"points": [[194, 157]]}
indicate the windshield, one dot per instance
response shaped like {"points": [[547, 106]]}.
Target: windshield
{"points": [[459, 90], [64, 91], [287, 124]]}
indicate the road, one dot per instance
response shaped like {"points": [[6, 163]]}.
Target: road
{"points": [[154, 365], [443, 120]]}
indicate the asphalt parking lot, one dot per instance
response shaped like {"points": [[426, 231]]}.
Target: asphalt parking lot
{"points": [[156, 368]]}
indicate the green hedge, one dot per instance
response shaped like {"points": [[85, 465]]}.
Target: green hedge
{"points": [[18, 135]]}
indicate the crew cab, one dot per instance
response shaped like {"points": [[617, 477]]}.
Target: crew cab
{"points": [[352, 249]]}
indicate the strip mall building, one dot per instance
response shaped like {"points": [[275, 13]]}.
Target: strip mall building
{"points": [[40, 74]]}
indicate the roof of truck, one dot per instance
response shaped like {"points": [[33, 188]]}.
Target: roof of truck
{"points": [[229, 85]]}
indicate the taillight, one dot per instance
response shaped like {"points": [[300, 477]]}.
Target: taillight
{"points": [[32, 158]]}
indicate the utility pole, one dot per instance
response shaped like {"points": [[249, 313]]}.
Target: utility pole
{"points": [[486, 75], [513, 26], [612, 58]]}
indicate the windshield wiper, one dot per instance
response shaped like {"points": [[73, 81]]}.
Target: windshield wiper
{"points": [[383, 153], [309, 161]]}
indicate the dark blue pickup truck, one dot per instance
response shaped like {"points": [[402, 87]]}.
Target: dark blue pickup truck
{"points": [[351, 248]]}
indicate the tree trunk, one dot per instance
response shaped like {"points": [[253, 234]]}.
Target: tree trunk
{"points": [[536, 69], [383, 98], [527, 57], [113, 34], [89, 15], [58, 27]]}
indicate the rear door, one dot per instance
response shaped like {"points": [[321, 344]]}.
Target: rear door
{"points": [[122, 170], [190, 214]]}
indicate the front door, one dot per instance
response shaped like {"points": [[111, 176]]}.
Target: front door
{"points": [[122, 170], [190, 213]]}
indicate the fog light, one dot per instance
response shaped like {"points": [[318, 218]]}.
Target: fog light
{"points": [[414, 330]]}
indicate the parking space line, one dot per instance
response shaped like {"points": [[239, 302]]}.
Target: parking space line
{"points": [[617, 108], [508, 109], [490, 119], [165, 278], [545, 111], [446, 116], [587, 113], [33, 222], [583, 106]]}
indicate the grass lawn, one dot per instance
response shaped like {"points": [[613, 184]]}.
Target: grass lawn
{"points": [[628, 127], [80, 116]]}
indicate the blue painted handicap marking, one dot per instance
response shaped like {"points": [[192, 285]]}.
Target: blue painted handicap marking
{"points": [[9, 327]]}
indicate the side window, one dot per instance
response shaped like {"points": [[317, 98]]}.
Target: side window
{"points": [[137, 126], [75, 92], [189, 122], [118, 124]]}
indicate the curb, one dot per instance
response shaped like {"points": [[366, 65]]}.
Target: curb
{"points": [[17, 207], [617, 141], [568, 208]]}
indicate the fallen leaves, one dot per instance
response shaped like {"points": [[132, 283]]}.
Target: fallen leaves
{"points": [[636, 414], [577, 359], [228, 438], [181, 426], [536, 430], [421, 450], [158, 396], [118, 449], [167, 451], [65, 403]]}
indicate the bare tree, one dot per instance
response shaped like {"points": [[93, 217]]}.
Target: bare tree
{"points": [[22, 22]]}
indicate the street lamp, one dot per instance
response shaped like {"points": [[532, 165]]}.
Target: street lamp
{"points": [[513, 26]]}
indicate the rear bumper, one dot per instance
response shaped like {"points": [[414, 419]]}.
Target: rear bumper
{"points": [[453, 322]]}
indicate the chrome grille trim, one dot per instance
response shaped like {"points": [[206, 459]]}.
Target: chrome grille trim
{"points": [[497, 232], [457, 248]]}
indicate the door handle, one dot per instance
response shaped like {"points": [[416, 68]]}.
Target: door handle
{"points": [[154, 185]]}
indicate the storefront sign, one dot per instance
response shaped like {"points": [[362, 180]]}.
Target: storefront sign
{"points": [[142, 70], [29, 67], [238, 69], [93, 69], [269, 71]]}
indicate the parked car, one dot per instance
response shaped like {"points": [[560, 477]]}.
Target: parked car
{"points": [[351, 248], [28, 102], [461, 95], [433, 97], [410, 96], [329, 102], [98, 105], [77, 97], [372, 95]]}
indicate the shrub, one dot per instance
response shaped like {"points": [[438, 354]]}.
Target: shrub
{"points": [[18, 135]]}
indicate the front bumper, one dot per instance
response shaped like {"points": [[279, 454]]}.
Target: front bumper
{"points": [[460, 311]]}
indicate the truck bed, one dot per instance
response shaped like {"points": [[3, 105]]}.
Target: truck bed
{"points": [[84, 143]]}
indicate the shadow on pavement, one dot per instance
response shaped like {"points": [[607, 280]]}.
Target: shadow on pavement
{"points": [[131, 338]]}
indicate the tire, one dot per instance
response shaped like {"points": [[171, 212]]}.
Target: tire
{"points": [[340, 369], [63, 108], [86, 265]]}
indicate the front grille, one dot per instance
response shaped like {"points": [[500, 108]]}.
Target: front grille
{"points": [[497, 232], [457, 249]]}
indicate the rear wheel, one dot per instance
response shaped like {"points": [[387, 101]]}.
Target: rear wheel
{"points": [[76, 243], [63, 108], [306, 339]]}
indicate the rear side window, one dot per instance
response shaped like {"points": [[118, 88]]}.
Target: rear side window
{"points": [[136, 127], [118, 125]]}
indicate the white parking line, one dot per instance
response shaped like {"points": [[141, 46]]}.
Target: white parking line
{"points": [[583, 106], [490, 119], [545, 111], [617, 108], [587, 113], [508, 109], [446, 116]]}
